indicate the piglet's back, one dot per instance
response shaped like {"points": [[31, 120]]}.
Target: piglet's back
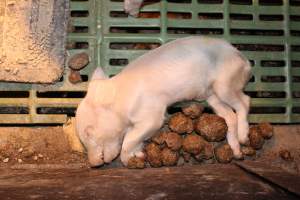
{"points": [[196, 51], [179, 70]]}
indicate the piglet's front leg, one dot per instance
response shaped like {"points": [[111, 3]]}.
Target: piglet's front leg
{"points": [[144, 129]]}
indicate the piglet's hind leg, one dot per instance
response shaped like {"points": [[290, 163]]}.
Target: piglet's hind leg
{"points": [[227, 113], [243, 125]]}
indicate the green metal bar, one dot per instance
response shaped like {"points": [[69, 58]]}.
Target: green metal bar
{"points": [[288, 61], [164, 22]]}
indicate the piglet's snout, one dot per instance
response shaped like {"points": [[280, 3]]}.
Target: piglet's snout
{"points": [[111, 152], [95, 160]]}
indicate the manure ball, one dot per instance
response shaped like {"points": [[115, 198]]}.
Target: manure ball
{"points": [[78, 61], [169, 157], [255, 138], [136, 163], [208, 151], [224, 153], [180, 123], [266, 130], [75, 77], [193, 144], [193, 110], [159, 138], [153, 155], [212, 127], [173, 141], [248, 151]]}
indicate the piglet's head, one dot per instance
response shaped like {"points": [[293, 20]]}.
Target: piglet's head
{"points": [[98, 126]]}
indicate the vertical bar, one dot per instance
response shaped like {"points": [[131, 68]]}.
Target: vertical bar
{"points": [[32, 106], [226, 14], [194, 10], [163, 21], [288, 74], [255, 8], [99, 32]]}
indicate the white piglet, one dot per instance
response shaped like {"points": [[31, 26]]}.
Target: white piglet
{"points": [[118, 114]]}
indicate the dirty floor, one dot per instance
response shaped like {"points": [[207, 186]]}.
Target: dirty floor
{"points": [[40, 145], [41, 165], [188, 182]]}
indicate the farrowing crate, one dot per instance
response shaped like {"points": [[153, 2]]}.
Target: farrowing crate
{"points": [[267, 32]]}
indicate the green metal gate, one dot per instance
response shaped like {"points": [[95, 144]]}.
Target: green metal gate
{"points": [[267, 32]]}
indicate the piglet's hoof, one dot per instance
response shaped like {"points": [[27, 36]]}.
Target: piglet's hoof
{"points": [[238, 155]]}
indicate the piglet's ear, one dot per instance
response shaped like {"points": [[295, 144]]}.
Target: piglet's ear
{"points": [[99, 74], [102, 92]]}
